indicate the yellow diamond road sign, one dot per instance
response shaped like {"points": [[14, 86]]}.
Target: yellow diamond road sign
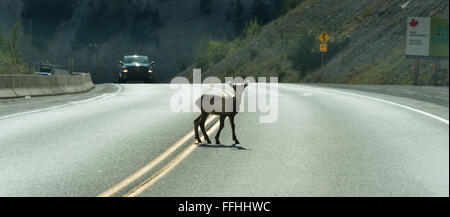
{"points": [[324, 37]]}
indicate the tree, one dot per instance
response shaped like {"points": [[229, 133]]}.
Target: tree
{"points": [[276, 4], [183, 65], [210, 52], [250, 28], [156, 19], [46, 16], [238, 16], [286, 5], [3, 43], [15, 33], [261, 10], [201, 57], [303, 56], [206, 6]]}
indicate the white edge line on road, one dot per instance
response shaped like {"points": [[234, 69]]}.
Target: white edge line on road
{"points": [[103, 96], [387, 102]]}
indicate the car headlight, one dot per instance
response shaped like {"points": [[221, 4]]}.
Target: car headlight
{"points": [[150, 71], [124, 70]]}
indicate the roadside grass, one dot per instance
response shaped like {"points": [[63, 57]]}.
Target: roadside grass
{"points": [[396, 69], [9, 63], [7, 66]]}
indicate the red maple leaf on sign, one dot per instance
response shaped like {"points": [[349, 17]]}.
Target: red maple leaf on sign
{"points": [[414, 23]]}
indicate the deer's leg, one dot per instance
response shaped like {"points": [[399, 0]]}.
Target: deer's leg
{"points": [[236, 141], [196, 123], [202, 126], [222, 123]]}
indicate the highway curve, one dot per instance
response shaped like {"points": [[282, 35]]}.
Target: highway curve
{"points": [[326, 142]]}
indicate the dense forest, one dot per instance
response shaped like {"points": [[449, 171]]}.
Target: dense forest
{"points": [[97, 33]]}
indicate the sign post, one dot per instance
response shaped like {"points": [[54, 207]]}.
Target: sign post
{"points": [[323, 38], [416, 68], [436, 72]]}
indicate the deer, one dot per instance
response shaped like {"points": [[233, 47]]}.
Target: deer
{"points": [[223, 106]]}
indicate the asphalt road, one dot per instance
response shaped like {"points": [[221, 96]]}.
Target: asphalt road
{"points": [[326, 142]]}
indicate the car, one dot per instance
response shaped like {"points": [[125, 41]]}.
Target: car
{"points": [[136, 68], [45, 70]]}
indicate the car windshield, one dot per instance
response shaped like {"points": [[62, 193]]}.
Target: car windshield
{"points": [[135, 59], [45, 69]]}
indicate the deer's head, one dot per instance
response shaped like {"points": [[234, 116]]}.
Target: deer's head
{"points": [[238, 89]]}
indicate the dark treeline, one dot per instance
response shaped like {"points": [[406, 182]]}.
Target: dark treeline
{"points": [[263, 11], [139, 25], [108, 18], [45, 16]]}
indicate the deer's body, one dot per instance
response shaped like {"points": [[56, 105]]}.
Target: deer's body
{"points": [[218, 105]]}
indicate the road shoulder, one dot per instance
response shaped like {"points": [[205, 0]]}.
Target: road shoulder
{"points": [[433, 100], [26, 104]]}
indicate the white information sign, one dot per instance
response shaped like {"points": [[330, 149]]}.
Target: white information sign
{"points": [[418, 36]]}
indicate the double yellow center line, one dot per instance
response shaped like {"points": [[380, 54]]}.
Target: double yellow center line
{"points": [[165, 169], [168, 167]]}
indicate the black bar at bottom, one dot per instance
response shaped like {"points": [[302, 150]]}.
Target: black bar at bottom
{"points": [[228, 206]]}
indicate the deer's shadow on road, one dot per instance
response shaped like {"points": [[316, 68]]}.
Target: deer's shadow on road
{"points": [[234, 146]]}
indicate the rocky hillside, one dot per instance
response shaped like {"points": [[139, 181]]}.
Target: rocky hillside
{"points": [[367, 45]]}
